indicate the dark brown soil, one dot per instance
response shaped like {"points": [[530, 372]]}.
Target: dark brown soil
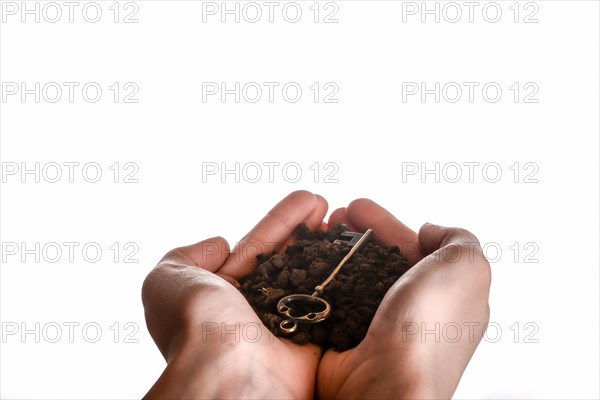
{"points": [[354, 294]]}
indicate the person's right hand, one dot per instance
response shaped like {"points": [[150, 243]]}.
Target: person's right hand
{"points": [[428, 324]]}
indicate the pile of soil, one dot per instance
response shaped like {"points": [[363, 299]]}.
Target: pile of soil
{"points": [[354, 294]]}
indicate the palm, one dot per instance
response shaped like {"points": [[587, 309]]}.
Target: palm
{"points": [[229, 320], [396, 346], [384, 348], [349, 373]]}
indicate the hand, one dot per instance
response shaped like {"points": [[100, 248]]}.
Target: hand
{"points": [[448, 287], [197, 317]]}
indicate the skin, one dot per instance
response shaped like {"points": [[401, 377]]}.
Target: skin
{"points": [[194, 311]]}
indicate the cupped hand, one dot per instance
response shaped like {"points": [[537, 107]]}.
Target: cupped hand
{"points": [[214, 343], [429, 323], [418, 345]]}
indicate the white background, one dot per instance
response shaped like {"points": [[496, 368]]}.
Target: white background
{"points": [[544, 220]]}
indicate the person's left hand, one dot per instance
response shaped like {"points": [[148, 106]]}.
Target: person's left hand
{"points": [[214, 343]]}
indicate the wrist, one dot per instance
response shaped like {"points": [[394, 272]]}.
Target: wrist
{"points": [[206, 364], [200, 372]]}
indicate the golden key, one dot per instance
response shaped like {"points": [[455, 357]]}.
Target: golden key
{"points": [[312, 309]]}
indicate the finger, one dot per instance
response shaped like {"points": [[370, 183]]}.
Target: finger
{"points": [[313, 222], [453, 260], [454, 271], [339, 217], [364, 214], [269, 233], [433, 237], [209, 254], [324, 227]]}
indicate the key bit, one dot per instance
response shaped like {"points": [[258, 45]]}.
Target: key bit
{"points": [[354, 235]]}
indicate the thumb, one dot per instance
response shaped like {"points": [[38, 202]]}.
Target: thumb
{"points": [[433, 237], [209, 254]]}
